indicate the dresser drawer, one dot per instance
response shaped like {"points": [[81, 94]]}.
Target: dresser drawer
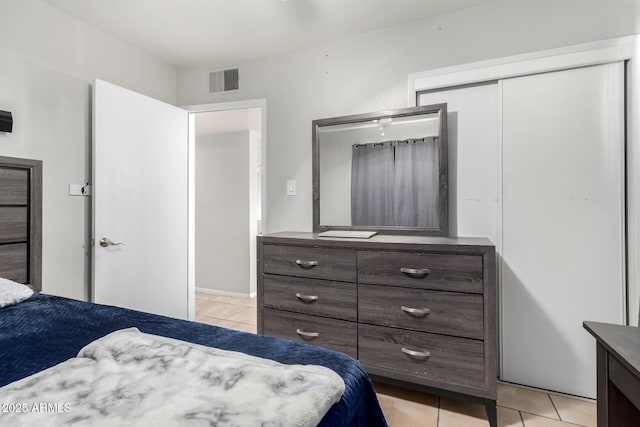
{"points": [[311, 296], [311, 262], [450, 313], [453, 272], [427, 359], [338, 335]]}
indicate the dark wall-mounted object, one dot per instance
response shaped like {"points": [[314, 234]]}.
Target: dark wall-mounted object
{"points": [[6, 121]]}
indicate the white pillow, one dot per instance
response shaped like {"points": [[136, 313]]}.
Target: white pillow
{"points": [[13, 292]]}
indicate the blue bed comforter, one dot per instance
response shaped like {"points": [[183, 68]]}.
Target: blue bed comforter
{"points": [[45, 330]]}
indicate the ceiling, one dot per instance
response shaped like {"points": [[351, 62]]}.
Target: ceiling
{"points": [[189, 33]]}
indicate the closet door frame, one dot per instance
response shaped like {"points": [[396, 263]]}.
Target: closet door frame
{"points": [[626, 49]]}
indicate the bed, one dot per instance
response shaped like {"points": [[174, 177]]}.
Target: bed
{"points": [[45, 330]]}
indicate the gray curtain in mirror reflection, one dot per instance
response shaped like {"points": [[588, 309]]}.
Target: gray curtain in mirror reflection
{"points": [[395, 183]]}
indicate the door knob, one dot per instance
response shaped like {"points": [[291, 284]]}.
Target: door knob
{"points": [[106, 242]]}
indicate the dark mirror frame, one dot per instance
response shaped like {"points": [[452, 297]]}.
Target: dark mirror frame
{"points": [[443, 175]]}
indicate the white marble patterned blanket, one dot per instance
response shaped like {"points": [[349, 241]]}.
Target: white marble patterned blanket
{"points": [[129, 378]]}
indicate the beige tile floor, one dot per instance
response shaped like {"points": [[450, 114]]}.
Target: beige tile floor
{"points": [[226, 311], [517, 406]]}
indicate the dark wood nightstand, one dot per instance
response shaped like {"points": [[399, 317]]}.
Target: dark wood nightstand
{"points": [[618, 360]]}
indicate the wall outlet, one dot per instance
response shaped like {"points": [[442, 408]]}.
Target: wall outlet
{"points": [[75, 190], [79, 189]]}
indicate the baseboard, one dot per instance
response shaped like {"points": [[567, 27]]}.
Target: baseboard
{"points": [[226, 293], [548, 391]]}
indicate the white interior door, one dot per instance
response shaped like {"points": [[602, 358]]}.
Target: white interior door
{"points": [[563, 223], [140, 184]]}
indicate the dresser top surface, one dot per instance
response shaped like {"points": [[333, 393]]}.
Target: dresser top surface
{"points": [[623, 341], [381, 240]]}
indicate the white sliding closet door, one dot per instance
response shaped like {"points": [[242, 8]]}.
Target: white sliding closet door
{"points": [[474, 158], [563, 223]]}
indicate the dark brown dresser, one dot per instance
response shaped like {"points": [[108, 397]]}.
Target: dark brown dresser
{"points": [[416, 311]]}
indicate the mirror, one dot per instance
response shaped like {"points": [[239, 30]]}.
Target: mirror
{"points": [[384, 172]]}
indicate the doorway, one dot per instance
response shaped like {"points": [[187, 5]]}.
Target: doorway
{"points": [[155, 241], [226, 146]]}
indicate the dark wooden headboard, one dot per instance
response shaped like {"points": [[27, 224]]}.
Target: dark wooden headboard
{"points": [[21, 221]]}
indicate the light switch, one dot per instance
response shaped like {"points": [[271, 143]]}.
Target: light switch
{"points": [[291, 187]]}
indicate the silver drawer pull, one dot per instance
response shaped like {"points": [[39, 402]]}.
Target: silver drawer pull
{"points": [[304, 334], [416, 312], [306, 298], [306, 264], [417, 273], [416, 354]]}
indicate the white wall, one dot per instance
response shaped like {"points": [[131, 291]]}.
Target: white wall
{"points": [[255, 204], [47, 63], [223, 212], [40, 33], [369, 73]]}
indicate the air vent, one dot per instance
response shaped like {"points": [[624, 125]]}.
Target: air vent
{"points": [[224, 80]]}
